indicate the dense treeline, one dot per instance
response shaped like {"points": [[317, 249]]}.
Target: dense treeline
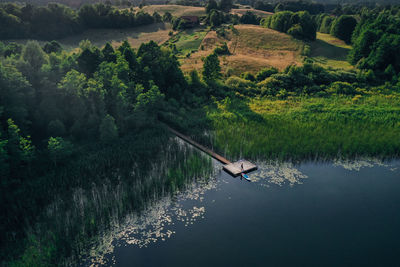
{"points": [[374, 35], [300, 24], [53, 105], [57, 21], [376, 43]]}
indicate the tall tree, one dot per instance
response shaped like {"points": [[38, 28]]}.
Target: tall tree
{"points": [[211, 68]]}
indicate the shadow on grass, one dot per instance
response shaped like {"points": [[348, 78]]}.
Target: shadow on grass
{"points": [[99, 37], [320, 48], [241, 109]]}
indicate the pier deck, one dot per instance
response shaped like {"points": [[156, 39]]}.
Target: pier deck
{"points": [[233, 168]]}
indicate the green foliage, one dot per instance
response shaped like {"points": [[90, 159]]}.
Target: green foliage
{"points": [[250, 18], [52, 47], [108, 129], [211, 68], [222, 50], [341, 88], [56, 128], [55, 21], [59, 149], [326, 24], [300, 24], [343, 27], [376, 42], [211, 5], [265, 73], [215, 18]]}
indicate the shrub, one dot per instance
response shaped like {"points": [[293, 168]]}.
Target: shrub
{"points": [[343, 27]]}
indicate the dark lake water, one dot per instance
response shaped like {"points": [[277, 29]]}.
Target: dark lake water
{"points": [[312, 214]]}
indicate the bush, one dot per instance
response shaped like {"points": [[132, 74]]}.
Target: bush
{"points": [[265, 73], [341, 88], [222, 50], [343, 27], [300, 24]]}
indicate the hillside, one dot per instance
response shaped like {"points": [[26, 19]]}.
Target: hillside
{"points": [[175, 10], [99, 37], [252, 49], [329, 51]]}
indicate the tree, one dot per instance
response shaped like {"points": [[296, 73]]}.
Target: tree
{"points": [[167, 17], [343, 27], [56, 128], [211, 5], [108, 129], [215, 19], [52, 47], [34, 55], [15, 95], [59, 149], [225, 5], [326, 24], [211, 68], [88, 60], [109, 53], [4, 166]]}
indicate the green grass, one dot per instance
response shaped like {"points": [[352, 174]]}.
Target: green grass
{"points": [[330, 52], [188, 40], [307, 128]]}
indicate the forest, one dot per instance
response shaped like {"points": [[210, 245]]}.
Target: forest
{"points": [[60, 109]]}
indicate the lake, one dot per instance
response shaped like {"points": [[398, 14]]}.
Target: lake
{"points": [[312, 214]]}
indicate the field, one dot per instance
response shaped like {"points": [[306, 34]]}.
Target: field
{"points": [[99, 37], [307, 128], [330, 52], [252, 49], [175, 10], [242, 11], [188, 40]]}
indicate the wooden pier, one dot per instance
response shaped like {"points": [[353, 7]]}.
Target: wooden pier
{"points": [[233, 168]]}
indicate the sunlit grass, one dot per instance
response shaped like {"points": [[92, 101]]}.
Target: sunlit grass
{"points": [[307, 128]]}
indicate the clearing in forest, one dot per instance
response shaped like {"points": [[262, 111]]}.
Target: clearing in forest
{"points": [[252, 49], [259, 13], [135, 36], [99, 37], [175, 10], [330, 51]]}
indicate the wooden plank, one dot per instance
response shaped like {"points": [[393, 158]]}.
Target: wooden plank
{"points": [[202, 148], [235, 168]]}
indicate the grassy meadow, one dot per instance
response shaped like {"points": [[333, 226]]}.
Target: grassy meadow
{"points": [[252, 49], [306, 128], [175, 10], [329, 51], [99, 37]]}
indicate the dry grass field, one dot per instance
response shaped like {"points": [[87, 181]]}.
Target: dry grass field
{"points": [[242, 11], [135, 36], [175, 10], [99, 37], [251, 50]]}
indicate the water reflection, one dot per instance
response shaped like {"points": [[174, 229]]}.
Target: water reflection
{"points": [[164, 217], [155, 224]]}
